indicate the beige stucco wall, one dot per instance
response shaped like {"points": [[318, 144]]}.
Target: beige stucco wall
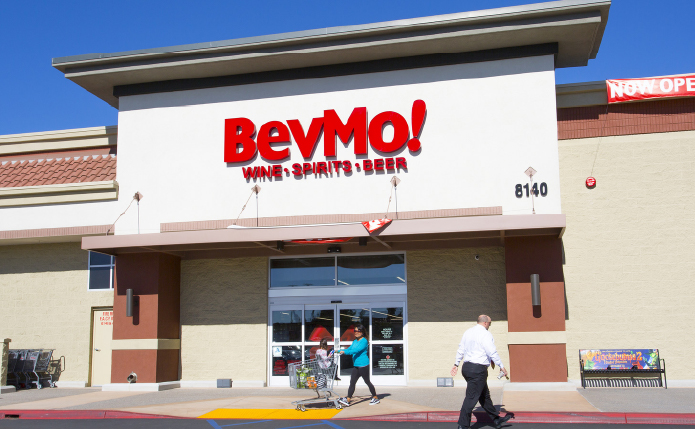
{"points": [[629, 246], [447, 290], [224, 317], [45, 302]]}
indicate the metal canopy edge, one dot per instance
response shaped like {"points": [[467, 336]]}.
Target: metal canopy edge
{"points": [[163, 242], [576, 25]]}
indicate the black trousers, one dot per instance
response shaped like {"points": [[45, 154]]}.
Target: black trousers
{"points": [[476, 391], [363, 372]]}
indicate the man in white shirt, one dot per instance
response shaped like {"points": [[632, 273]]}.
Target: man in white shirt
{"points": [[476, 350]]}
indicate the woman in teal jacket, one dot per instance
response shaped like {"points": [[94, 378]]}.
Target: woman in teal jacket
{"points": [[360, 359]]}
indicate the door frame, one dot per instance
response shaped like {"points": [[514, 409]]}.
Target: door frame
{"points": [[91, 338]]}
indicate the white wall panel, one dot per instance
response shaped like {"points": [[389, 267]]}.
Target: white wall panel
{"points": [[486, 123]]}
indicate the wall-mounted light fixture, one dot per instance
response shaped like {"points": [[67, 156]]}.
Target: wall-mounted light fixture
{"points": [[363, 241], [280, 245], [535, 290], [334, 249], [129, 302]]}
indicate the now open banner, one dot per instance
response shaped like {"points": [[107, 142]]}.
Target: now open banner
{"points": [[621, 90]]}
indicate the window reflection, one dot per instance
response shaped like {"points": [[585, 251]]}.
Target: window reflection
{"points": [[283, 356], [371, 269], [99, 277], [287, 326], [302, 272], [318, 324], [349, 318]]}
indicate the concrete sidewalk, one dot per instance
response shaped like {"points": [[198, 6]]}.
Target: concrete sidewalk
{"points": [[277, 402]]}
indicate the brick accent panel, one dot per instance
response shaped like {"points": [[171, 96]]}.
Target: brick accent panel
{"points": [[538, 363], [543, 256], [524, 318], [144, 363], [661, 116], [155, 280], [535, 255]]}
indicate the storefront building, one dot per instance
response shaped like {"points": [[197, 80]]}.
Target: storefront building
{"points": [[234, 282]]}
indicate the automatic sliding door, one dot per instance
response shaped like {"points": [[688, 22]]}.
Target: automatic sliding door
{"points": [[296, 332]]}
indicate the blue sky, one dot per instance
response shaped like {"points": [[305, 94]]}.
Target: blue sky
{"points": [[643, 38]]}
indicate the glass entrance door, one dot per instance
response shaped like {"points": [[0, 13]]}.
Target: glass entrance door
{"points": [[319, 323], [296, 331]]}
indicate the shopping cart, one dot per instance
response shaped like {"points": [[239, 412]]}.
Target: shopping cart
{"points": [[12, 378], [18, 379], [310, 375], [29, 366], [40, 370]]}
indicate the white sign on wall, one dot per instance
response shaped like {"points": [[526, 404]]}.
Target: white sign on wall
{"points": [[485, 123]]}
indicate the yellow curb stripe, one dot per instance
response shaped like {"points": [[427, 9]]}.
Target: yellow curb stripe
{"points": [[270, 414]]}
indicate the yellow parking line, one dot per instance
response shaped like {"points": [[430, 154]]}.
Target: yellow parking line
{"points": [[271, 414]]}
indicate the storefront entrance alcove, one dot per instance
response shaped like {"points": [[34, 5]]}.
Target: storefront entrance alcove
{"points": [[325, 297]]}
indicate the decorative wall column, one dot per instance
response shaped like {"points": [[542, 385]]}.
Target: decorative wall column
{"points": [[147, 343], [4, 356], [537, 338]]}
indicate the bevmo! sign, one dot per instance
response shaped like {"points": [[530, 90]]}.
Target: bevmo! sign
{"points": [[242, 142], [620, 90]]}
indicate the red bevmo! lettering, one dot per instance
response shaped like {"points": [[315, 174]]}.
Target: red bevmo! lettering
{"points": [[240, 145]]}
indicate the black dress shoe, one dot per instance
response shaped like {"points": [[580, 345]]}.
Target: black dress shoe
{"points": [[499, 421], [461, 427]]}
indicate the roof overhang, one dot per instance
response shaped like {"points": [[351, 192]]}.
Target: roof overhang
{"points": [[581, 94], [576, 26], [400, 235]]}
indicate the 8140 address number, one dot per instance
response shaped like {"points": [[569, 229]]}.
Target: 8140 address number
{"points": [[526, 190]]}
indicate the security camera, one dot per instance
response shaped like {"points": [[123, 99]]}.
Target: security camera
{"points": [[477, 257]]}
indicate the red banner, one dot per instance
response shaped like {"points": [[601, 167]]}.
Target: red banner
{"points": [[620, 90]]}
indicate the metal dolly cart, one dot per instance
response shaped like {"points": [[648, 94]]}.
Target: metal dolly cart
{"points": [[310, 375]]}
